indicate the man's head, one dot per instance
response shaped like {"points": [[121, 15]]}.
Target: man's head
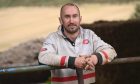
{"points": [[70, 18]]}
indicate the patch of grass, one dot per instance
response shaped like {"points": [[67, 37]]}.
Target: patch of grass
{"points": [[11, 3]]}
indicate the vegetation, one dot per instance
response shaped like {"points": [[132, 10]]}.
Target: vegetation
{"points": [[136, 15], [11, 3]]}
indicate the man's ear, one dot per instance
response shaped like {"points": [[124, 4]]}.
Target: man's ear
{"points": [[80, 19], [60, 20]]}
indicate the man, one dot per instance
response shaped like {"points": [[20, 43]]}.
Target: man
{"points": [[73, 47]]}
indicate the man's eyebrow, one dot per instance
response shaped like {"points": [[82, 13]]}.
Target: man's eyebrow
{"points": [[67, 15], [75, 14]]}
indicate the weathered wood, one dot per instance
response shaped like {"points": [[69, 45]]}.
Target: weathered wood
{"points": [[10, 70], [125, 60]]}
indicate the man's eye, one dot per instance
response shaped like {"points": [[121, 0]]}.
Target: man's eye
{"points": [[75, 16], [67, 16]]}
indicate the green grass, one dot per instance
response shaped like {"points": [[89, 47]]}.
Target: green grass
{"points": [[11, 3]]}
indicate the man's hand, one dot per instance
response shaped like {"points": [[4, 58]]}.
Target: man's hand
{"points": [[86, 62], [91, 61], [80, 61]]}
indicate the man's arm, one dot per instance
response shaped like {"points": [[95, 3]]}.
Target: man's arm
{"points": [[103, 52], [48, 55]]}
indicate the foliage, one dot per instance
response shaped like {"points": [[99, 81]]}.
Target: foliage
{"points": [[136, 15]]}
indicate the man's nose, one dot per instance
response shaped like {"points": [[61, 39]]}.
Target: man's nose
{"points": [[71, 20]]}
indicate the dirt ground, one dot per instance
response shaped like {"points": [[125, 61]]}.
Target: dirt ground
{"points": [[20, 24]]}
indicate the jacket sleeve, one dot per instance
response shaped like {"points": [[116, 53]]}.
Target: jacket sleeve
{"points": [[48, 54], [104, 52]]}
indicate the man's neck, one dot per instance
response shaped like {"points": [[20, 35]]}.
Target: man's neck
{"points": [[73, 36]]}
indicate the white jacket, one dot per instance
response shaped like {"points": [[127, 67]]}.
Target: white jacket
{"points": [[57, 51]]}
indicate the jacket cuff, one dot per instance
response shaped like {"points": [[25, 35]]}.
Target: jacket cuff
{"points": [[71, 62], [99, 57]]}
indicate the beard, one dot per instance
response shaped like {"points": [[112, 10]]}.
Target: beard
{"points": [[72, 28]]}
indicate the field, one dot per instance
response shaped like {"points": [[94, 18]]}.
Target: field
{"points": [[20, 24]]}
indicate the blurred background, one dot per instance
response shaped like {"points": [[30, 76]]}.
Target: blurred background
{"points": [[23, 20]]}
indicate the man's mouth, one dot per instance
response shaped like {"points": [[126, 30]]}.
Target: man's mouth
{"points": [[71, 25]]}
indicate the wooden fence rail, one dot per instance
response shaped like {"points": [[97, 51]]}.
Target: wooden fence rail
{"points": [[23, 69]]}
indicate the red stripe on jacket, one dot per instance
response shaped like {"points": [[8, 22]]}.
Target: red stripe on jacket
{"points": [[106, 56], [71, 78], [62, 62]]}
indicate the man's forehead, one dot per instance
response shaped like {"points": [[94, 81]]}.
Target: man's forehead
{"points": [[67, 7], [70, 10]]}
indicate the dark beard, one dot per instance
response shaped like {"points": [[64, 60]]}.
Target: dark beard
{"points": [[72, 30]]}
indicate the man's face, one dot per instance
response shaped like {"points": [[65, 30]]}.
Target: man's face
{"points": [[70, 19]]}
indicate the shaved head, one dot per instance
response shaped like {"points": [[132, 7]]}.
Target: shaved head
{"points": [[69, 4]]}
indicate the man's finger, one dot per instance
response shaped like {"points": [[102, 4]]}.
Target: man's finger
{"points": [[90, 63], [87, 67]]}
